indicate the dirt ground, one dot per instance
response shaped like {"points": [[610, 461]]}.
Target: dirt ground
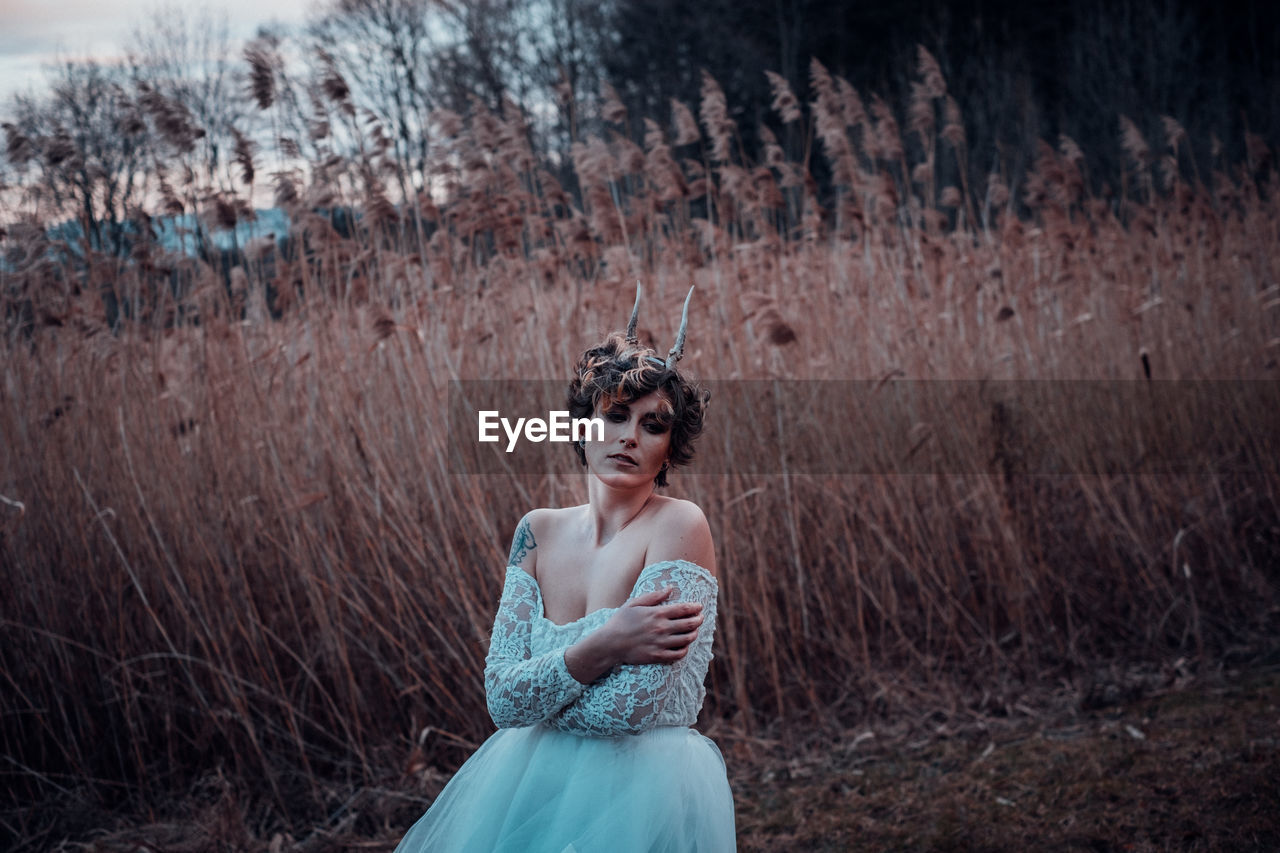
{"points": [[1196, 769], [1190, 769]]}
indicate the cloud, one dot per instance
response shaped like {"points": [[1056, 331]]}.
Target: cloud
{"points": [[34, 33]]}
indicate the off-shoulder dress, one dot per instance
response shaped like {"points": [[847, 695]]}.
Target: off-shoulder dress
{"points": [[573, 768]]}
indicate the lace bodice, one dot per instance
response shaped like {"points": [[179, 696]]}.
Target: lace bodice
{"points": [[526, 680]]}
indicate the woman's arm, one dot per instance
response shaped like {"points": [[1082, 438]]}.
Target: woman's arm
{"points": [[645, 629], [524, 547], [640, 643], [631, 697], [521, 689], [640, 633]]}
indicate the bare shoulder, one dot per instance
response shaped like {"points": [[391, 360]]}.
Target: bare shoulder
{"points": [[681, 512], [537, 525], [524, 544], [681, 532]]}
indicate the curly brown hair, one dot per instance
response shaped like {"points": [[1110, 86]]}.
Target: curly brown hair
{"points": [[617, 371]]}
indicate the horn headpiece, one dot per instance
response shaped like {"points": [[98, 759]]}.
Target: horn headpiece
{"points": [[635, 315], [677, 350]]}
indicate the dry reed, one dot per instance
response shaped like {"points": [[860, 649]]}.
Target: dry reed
{"points": [[244, 543]]}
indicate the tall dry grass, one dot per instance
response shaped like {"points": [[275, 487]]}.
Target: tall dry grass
{"points": [[243, 546]]}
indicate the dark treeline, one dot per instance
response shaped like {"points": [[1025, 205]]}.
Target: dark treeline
{"points": [[203, 124], [1022, 70]]}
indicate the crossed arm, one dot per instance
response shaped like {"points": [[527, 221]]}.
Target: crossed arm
{"points": [[631, 697], [630, 661]]}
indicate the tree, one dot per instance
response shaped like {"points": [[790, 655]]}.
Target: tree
{"points": [[382, 50], [82, 150], [186, 58]]}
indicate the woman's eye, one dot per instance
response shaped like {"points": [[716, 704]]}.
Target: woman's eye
{"points": [[657, 429], [616, 417]]}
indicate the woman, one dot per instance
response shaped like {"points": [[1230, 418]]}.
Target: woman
{"points": [[601, 644]]}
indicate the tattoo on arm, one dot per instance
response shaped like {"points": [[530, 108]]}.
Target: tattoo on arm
{"points": [[522, 544]]}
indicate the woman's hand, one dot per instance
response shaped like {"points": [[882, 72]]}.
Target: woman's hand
{"points": [[644, 630], [641, 631]]}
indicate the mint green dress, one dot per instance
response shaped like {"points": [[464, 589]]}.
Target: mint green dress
{"points": [[609, 767]]}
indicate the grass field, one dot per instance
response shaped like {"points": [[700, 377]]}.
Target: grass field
{"points": [[1193, 766], [239, 562]]}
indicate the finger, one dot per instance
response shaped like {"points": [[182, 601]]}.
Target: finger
{"points": [[684, 626], [681, 610], [669, 655], [680, 641], [649, 599]]}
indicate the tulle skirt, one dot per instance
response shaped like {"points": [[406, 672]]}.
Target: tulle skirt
{"points": [[538, 790]]}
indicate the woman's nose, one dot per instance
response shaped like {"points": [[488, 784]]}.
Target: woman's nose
{"points": [[627, 435]]}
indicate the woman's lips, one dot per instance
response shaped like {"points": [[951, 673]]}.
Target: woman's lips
{"points": [[623, 458]]}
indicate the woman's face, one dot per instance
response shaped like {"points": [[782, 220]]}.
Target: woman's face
{"points": [[637, 441]]}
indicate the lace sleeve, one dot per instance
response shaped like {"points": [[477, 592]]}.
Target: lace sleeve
{"points": [[522, 690], [631, 698]]}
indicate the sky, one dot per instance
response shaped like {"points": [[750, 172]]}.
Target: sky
{"points": [[35, 32]]}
